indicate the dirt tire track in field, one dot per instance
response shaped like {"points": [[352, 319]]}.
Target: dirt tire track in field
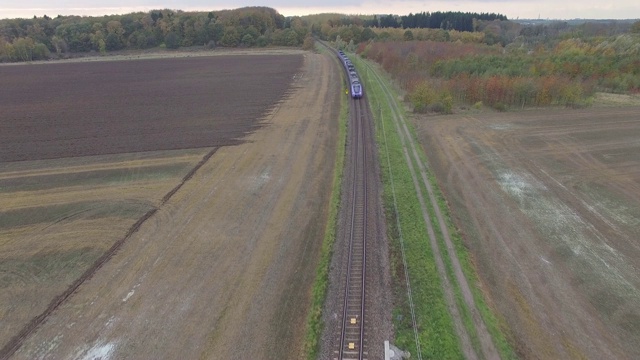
{"points": [[488, 349], [14, 344], [188, 176]]}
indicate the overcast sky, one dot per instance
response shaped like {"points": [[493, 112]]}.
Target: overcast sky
{"points": [[544, 9]]}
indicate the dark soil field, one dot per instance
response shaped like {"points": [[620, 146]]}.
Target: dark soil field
{"points": [[548, 202], [182, 199], [63, 110]]}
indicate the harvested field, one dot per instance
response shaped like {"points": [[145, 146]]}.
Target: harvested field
{"points": [[207, 268], [549, 205]]}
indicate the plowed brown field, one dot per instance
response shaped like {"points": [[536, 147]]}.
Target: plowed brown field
{"points": [[549, 204], [113, 107], [221, 265]]}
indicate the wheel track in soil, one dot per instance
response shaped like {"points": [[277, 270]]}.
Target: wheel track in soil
{"points": [[488, 349]]}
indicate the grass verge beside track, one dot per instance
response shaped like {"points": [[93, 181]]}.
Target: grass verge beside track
{"points": [[314, 319], [436, 336], [435, 330]]}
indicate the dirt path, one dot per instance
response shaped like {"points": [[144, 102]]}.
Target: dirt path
{"points": [[224, 268], [548, 204]]}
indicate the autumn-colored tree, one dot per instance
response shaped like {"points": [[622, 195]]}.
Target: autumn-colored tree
{"points": [[309, 43], [408, 35], [98, 38], [23, 49], [231, 37], [6, 49], [115, 27]]}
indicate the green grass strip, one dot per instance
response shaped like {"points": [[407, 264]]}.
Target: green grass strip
{"points": [[463, 309]]}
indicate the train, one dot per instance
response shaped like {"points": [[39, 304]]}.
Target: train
{"points": [[355, 87]]}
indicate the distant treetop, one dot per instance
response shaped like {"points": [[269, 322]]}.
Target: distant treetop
{"points": [[450, 20]]}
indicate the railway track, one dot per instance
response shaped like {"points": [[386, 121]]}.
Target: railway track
{"points": [[358, 238], [352, 338]]}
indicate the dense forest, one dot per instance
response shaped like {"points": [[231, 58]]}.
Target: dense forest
{"points": [[46, 37], [540, 65]]}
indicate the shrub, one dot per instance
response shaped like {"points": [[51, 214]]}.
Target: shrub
{"points": [[172, 40], [447, 103], [262, 41], [436, 107], [248, 40], [500, 106], [113, 42], [421, 96], [40, 52]]}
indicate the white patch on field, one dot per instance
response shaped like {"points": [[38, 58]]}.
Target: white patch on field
{"points": [[186, 303], [44, 349], [594, 211], [110, 322], [617, 211], [257, 182], [521, 187], [183, 306], [506, 126], [130, 294], [100, 351], [565, 229]]}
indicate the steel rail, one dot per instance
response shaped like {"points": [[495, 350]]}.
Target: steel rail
{"points": [[353, 321], [352, 333]]}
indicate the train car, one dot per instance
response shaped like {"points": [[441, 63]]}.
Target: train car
{"points": [[355, 87], [356, 90]]}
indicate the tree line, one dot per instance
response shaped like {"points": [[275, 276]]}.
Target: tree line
{"points": [[41, 38], [44, 37], [449, 20]]}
